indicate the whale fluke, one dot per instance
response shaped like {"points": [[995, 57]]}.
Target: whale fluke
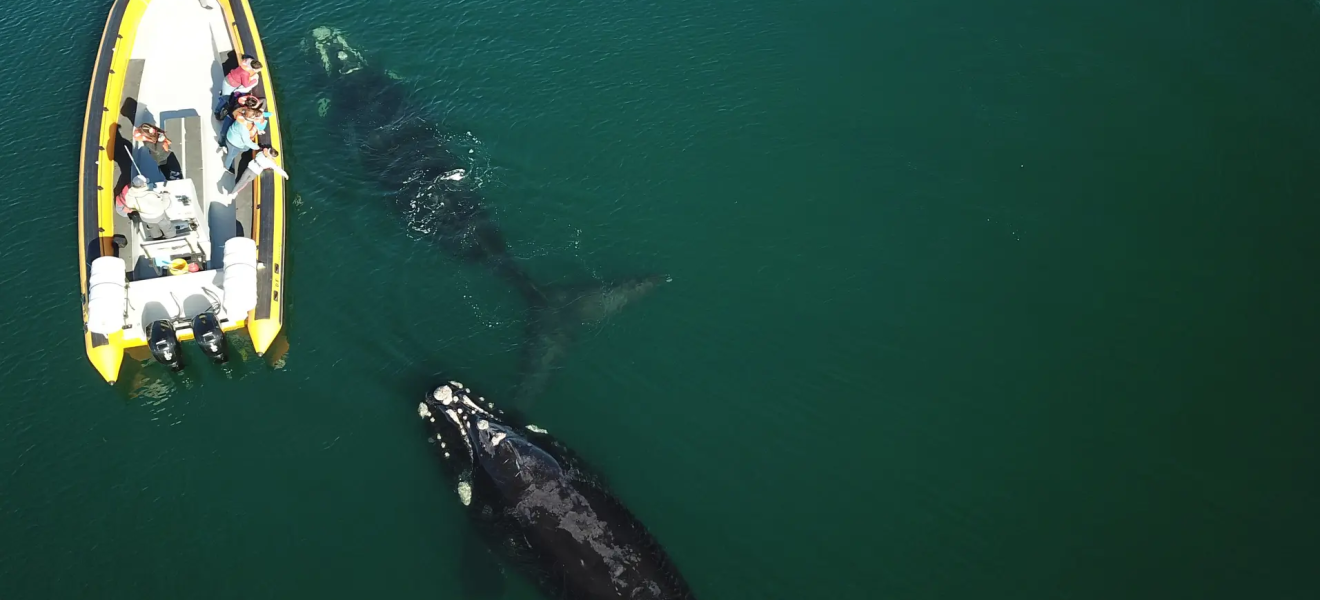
{"points": [[556, 313]]}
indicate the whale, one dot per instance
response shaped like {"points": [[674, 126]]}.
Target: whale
{"points": [[540, 508], [406, 155]]}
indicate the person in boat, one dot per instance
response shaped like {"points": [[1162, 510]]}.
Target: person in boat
{"points": [[153, 138], [242, 78], [245, 100], [252, 101], [241, 136], [255, 119], [259, 120], [242, 101], [150, 207], [265, 159]]}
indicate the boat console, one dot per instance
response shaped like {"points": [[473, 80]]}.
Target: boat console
{"points": [[191, 238]]}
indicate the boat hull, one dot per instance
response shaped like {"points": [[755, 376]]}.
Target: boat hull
{"points": [[108, 104]]}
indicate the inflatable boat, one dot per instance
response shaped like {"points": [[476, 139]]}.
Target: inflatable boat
{"points": [[203, 263]]}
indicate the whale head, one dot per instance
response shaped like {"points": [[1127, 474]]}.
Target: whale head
{"points": [[454, 417], [477, 442], [336, 55]]}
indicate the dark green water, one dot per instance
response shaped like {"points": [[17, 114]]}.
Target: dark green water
{"points": [[969, 301]]}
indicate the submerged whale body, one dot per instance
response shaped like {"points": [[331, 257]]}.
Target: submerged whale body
{"points": [[407, 156], [541, 509]]}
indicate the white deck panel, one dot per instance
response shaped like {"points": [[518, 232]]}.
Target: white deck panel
{"points": [[154, 299]]}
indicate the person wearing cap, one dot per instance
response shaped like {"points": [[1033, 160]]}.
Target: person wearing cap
{"points": [[242, 78], [150, 208], [265, 159]]}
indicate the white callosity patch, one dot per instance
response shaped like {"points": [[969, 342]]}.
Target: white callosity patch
{"points": [[476, 408], [326, 37], [537, 429], [465, 492], [497, 438], [422, 410], [459, 420], [460, 409]]}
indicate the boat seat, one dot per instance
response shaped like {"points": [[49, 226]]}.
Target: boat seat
{"points": [[186, 135], [169, 248]]}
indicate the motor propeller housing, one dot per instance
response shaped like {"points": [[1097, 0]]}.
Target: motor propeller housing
{"points": [[164, 344], [211, 337]]}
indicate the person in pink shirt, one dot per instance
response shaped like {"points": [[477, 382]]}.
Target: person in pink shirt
{"points": [[242, 78]]}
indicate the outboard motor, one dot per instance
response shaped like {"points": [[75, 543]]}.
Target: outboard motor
{"points": [[164, 344], [209, 335]]}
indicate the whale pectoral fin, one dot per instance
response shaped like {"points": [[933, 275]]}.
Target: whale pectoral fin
{"points": [[547, 341], [556, 314]]}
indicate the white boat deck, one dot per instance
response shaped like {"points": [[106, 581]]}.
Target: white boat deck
{"points": [[178, 50], [176, 296], [179, 43]]}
